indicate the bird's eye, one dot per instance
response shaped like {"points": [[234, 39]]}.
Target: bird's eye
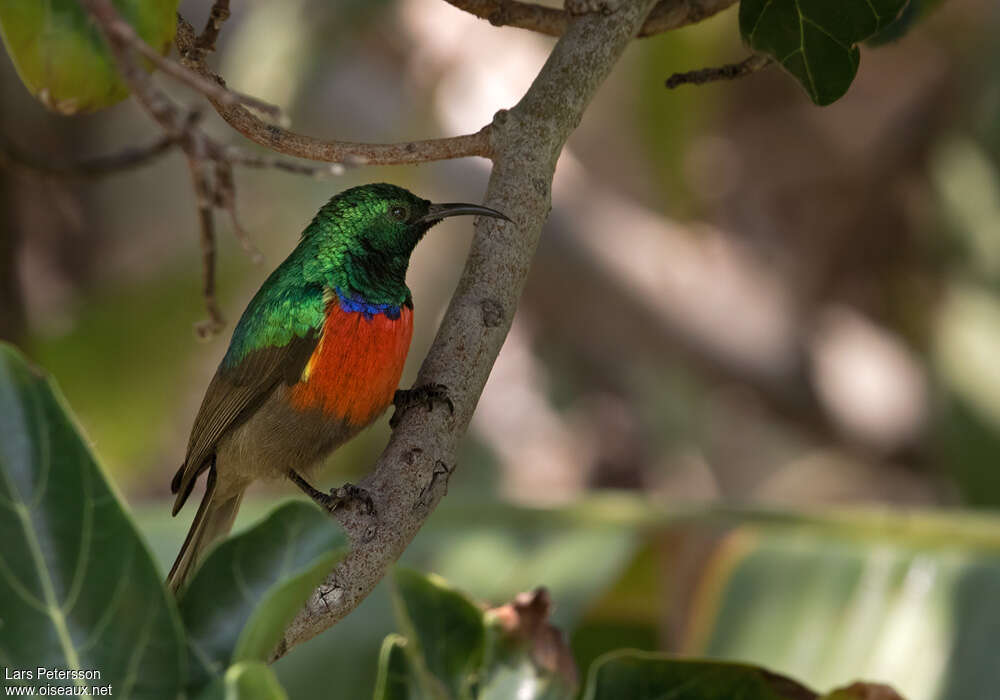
{"points": [[399, 213]]}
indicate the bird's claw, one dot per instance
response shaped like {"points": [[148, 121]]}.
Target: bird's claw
{"points": [[426, 394], [342, 495], [337, 497]]}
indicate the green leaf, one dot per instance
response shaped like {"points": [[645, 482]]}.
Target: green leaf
{"points": [[247, 680], [914, 12], [642, 676], [446, 631], [61, 57], [456, 650], [250, 587], [863, 691], [828, 605], [397, 678], [252, 680], [816, 40], [78, 588]]}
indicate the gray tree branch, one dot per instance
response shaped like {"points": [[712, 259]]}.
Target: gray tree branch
{"points": [[412, 474], [665, 15]]}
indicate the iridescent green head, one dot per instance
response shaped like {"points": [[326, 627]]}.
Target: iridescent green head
{"points": [[360, 242]]}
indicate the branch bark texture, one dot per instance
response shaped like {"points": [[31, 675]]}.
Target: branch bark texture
{"points": [[412, 474], [276, 138], [665, 15]]}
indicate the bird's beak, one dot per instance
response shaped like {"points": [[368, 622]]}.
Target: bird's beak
{"points": [[436, 212]]}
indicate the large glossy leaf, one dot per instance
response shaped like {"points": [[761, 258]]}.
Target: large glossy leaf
{"points": [[251, 586], [816, 40], [78, 589], [640, 676], [61, 57]]}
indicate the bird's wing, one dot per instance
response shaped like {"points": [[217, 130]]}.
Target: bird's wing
{"points": [[232, 397]]}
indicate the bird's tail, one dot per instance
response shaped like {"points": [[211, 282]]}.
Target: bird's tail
{"points": [[213, 520]]}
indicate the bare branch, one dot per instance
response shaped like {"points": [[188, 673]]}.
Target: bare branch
{"points": [[512, 13], [730, 71], [203, 202], [673, 14], [412, 474], [237, 156], [181, 129], [209, 88], [225, 198], [127, 159], [301, 146], [666, 15], [179, 123], [218, 14]]}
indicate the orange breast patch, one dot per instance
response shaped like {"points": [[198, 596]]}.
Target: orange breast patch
{"points": [[355, 369]]}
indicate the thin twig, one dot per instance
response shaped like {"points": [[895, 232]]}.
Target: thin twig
{"points": [[202, 150], [552, 21], [237, 156], [225, 198], [290, 143], [218, 14], [206, 224], [209, 88], [100, 166], [730, 71]]}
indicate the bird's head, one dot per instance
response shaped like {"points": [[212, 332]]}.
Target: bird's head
{"points": [[363, 237]]}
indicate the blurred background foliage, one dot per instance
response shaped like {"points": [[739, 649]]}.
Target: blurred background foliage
{"points": [[750, 405]]}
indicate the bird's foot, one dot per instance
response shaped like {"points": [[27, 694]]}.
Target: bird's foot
{"points": [[348, 493], [426, 394], [337, 497]]}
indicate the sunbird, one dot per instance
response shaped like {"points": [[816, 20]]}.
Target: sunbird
{"points": [[316, 356]]}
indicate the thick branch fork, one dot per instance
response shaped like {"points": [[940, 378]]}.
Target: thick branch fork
{"points": [[411, 475]]}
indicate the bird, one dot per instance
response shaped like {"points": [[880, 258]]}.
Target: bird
{"points": [[316, 356]]}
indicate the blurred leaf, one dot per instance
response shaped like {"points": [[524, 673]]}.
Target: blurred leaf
{"points": [[61, 57], [966, 444], [967, 335], [78, 588], [247, 680], [446, 629], [527, 657], [966, 179], [456, 651], [816, 40], [630, 612], [251, 586], [668, 122], [396, 674], [642, 676], [914, 11], [828, 606], [153, 350], [863, 691]]}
